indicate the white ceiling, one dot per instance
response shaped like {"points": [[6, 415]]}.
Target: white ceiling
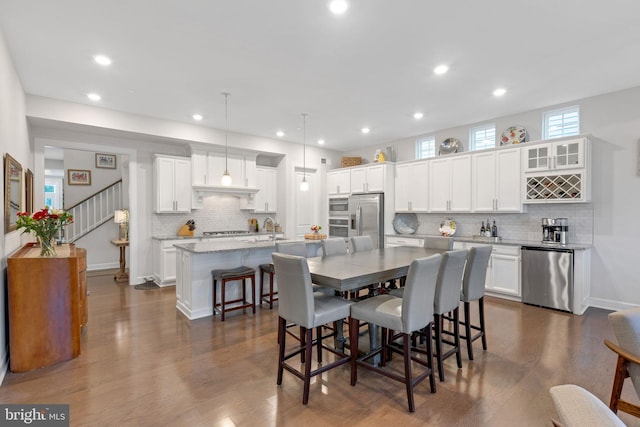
{"points": [[280, 58]]}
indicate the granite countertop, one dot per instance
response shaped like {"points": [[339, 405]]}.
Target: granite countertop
{"points": [[228, 246], [501, 241], [200, 236]]}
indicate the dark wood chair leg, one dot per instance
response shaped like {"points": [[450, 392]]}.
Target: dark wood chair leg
{"points": [[223, 297], [319, 343], [271, 290], [482, 329], [429, 344], [437, 323], [456, 336], [383, 346], [467, 330], [282, 326], [408, 379], [353, 342], [303, 343], [307, 366], [253, 293]]}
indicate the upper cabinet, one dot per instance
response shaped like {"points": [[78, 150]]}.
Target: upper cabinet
{"points": [[497, 181], [339, 181], [565, 154], [208, 168], [557, 172], [375, 178], [411, 187], [172, 184], [266, 199], [449, 184]]}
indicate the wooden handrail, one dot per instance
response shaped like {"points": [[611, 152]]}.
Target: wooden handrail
{"points": [[94, 194]]}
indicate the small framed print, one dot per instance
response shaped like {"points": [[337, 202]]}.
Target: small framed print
{"points": [[105, 161], [78, 177]]}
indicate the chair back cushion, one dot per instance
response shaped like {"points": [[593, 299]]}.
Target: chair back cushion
{"points": [[361, 244], [577, 408], [475, 273], [626, 327], [337, 246], [292, 248], [419, 292], [295, 294], [450, 281], [438, 242]]}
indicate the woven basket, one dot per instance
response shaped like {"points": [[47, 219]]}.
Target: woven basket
{"points": [[350, 161], [315, 236]]}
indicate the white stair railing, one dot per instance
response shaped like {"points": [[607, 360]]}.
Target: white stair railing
{"points": [[94, 211]]}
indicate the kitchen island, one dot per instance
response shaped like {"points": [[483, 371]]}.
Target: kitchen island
{"points": [[195, 260]]}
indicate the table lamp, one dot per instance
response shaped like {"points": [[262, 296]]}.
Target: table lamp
{"points": [[121, 217]]}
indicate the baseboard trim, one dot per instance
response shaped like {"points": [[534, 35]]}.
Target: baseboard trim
{"points": [[4, 367], [608, 304], [103, 266]]}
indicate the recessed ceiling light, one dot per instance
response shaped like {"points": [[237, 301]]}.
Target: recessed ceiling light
{"points": [[365, 130], [499, 92], [280, 134], [197, 117], [94, 96], [441, 69], [338, 6], [321, 141], [102, 60], [418, 115]]}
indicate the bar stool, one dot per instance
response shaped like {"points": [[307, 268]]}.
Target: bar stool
{"points": [[231, 275], [268, 297]]}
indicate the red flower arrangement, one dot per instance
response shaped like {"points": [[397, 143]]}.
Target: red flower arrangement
{"points": [[45, 224]]}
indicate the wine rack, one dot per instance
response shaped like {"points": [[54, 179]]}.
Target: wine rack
{"points": [[565, 187]]}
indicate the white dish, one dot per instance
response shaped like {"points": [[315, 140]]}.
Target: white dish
{"points": [[447, 227], [513, 135], [405, 223]]}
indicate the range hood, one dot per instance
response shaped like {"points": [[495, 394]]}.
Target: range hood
{"points": [[202, 191]]}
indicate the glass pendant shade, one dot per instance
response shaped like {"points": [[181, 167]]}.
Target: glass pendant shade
{"points": [[226, 179], [304, 185]]}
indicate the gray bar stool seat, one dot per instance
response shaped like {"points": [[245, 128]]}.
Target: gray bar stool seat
{"points": [[225, 276]]}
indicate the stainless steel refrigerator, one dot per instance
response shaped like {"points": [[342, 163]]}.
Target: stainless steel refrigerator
{"points": [[366, 217]]}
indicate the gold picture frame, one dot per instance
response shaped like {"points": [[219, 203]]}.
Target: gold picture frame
{"points": [[78, 177], [12, 192]]}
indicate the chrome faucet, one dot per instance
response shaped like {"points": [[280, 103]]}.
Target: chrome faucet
{"points": [[273, 227]]}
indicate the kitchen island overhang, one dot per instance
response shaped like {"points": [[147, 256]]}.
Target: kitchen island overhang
{"points": [[194, 262]]}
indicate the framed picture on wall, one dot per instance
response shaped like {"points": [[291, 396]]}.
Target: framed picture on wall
{"points": [[78, 177], [28, 188], [105, 161]]}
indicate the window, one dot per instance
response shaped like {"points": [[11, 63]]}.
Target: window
{"points": [[426, 147], [482, 137], [562, 122]]}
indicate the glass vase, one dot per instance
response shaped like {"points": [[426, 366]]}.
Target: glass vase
{"points": [[47, 247]]}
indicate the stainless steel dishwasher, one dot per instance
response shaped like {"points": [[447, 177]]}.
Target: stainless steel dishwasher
{"points": [[547, 277]]}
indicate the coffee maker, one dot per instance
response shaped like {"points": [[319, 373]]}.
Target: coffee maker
{"points": [[548, 230]]}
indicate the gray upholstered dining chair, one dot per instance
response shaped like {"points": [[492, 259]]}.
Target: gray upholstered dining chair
{"points": [[291, 248], [473, 281], [626, 327], [577, 407], [405, 315], [438, 242], [335, 246], [361, 243], [447, 300], [308, 309]]}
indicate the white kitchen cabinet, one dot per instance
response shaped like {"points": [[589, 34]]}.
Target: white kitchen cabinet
{"points": [[266, 199], [339, 182], [369, 179], [172, 184], [497, 181], [164, 260], [503, 270], [391, 241], [564, 154], [449, 184], [208, 168], [411, 187]]}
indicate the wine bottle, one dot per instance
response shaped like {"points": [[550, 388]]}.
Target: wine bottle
{"points": [[487, 230], [482, 229], [494, 229]]}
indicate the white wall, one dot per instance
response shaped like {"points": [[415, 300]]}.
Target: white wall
{"points": [[14, 139], [100, 177], [614, 122]]}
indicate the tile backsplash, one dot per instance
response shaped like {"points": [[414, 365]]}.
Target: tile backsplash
{"points": [[519, 226], [219, 213]]}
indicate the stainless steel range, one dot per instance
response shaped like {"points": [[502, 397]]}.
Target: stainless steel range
{"points": [[224, 233]]}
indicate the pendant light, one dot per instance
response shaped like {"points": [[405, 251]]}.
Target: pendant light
{"points": [[226, 177], [304, 185]]}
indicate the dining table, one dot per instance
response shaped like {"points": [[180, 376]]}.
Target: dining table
{"points": [[353, 271]]}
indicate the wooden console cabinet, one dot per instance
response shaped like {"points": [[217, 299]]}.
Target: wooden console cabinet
{"points": [[47, 306]]}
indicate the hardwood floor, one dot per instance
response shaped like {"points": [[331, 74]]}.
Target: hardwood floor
{"points": [[143, 363]]}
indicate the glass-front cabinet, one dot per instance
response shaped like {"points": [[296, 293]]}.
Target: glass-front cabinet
{"points": [[565, 154]]}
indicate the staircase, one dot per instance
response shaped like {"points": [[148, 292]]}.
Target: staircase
{"points": [[94, 211]]}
